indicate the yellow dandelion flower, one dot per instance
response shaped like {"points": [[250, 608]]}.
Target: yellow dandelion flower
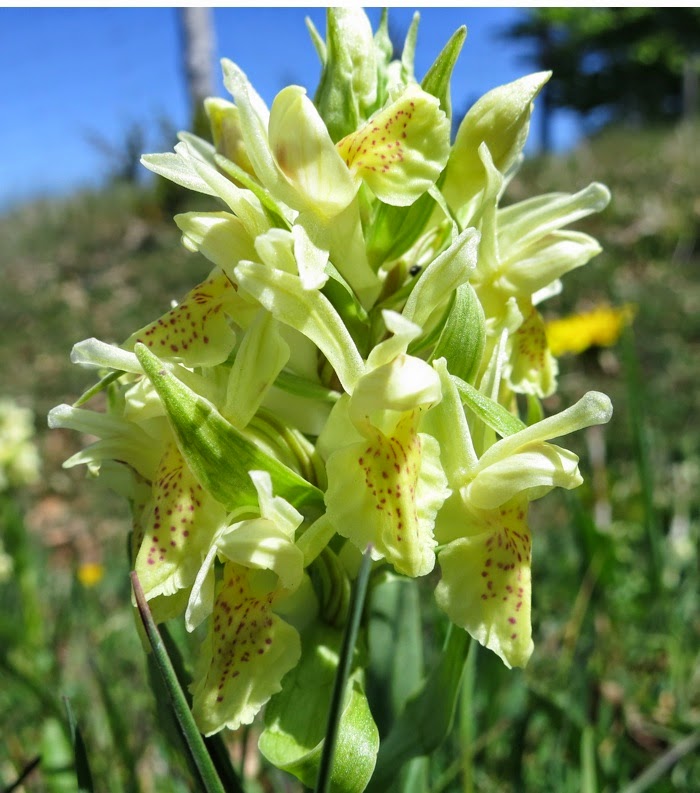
{"points": [[90, 573], [600, 327]]}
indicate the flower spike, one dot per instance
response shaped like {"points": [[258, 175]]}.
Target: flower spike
{"points": [[344, 383]]}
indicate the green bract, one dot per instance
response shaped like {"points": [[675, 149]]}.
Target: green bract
{"points": [[345, 377]]}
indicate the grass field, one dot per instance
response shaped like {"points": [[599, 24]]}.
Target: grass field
{"points": [[611, 698]]}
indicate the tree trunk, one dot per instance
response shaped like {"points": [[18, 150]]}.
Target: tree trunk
{"points": [[198, 44], [690, 86]]}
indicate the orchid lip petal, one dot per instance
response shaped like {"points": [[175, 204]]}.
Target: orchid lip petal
{"points": [[486, 582], [246, 654]]}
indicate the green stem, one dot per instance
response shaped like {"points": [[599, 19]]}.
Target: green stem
{"points": [[344, 663], [467, 718], [211, 783]]}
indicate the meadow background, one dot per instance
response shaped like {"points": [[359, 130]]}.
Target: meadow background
{"points": [[611, 698]]}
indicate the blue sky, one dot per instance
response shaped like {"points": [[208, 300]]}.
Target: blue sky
{"points": [[74, 74]]}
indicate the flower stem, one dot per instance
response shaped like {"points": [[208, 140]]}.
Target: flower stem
{"points": [[344, 663], [195, 743]]}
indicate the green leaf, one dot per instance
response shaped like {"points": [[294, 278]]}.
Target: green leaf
{"points": [[82, 764], [427, 718], [384, 50], [340, 295], [437, 78], [295, 719], [408, 54], [300, 386], [463, 336], [414, 777], [589, 782], [219, 456], [394, 229], [57, 759], [395, 647], [490, 412], [317, 41], [467, 719], [236, 172], [535, 411]]}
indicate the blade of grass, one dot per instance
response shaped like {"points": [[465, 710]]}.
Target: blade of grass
{"points": [[653, 773], [589, 783], [24, 774], [209, 779], [341, 678], [82, 764], [121, 736], [26, 572], [39, 688], [467, 714], [636, 400]]}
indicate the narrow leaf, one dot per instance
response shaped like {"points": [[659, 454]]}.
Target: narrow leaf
{"points": [[490, 412], [394, 229], [219, 456], [395, 648], [663, 764], [167, 721], [427, 718], [588, 764], [82, 764], [463, 336], [437, 78], [24, 774]]}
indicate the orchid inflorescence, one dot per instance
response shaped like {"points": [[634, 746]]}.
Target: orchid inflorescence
{"points": [[350, 373]]}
